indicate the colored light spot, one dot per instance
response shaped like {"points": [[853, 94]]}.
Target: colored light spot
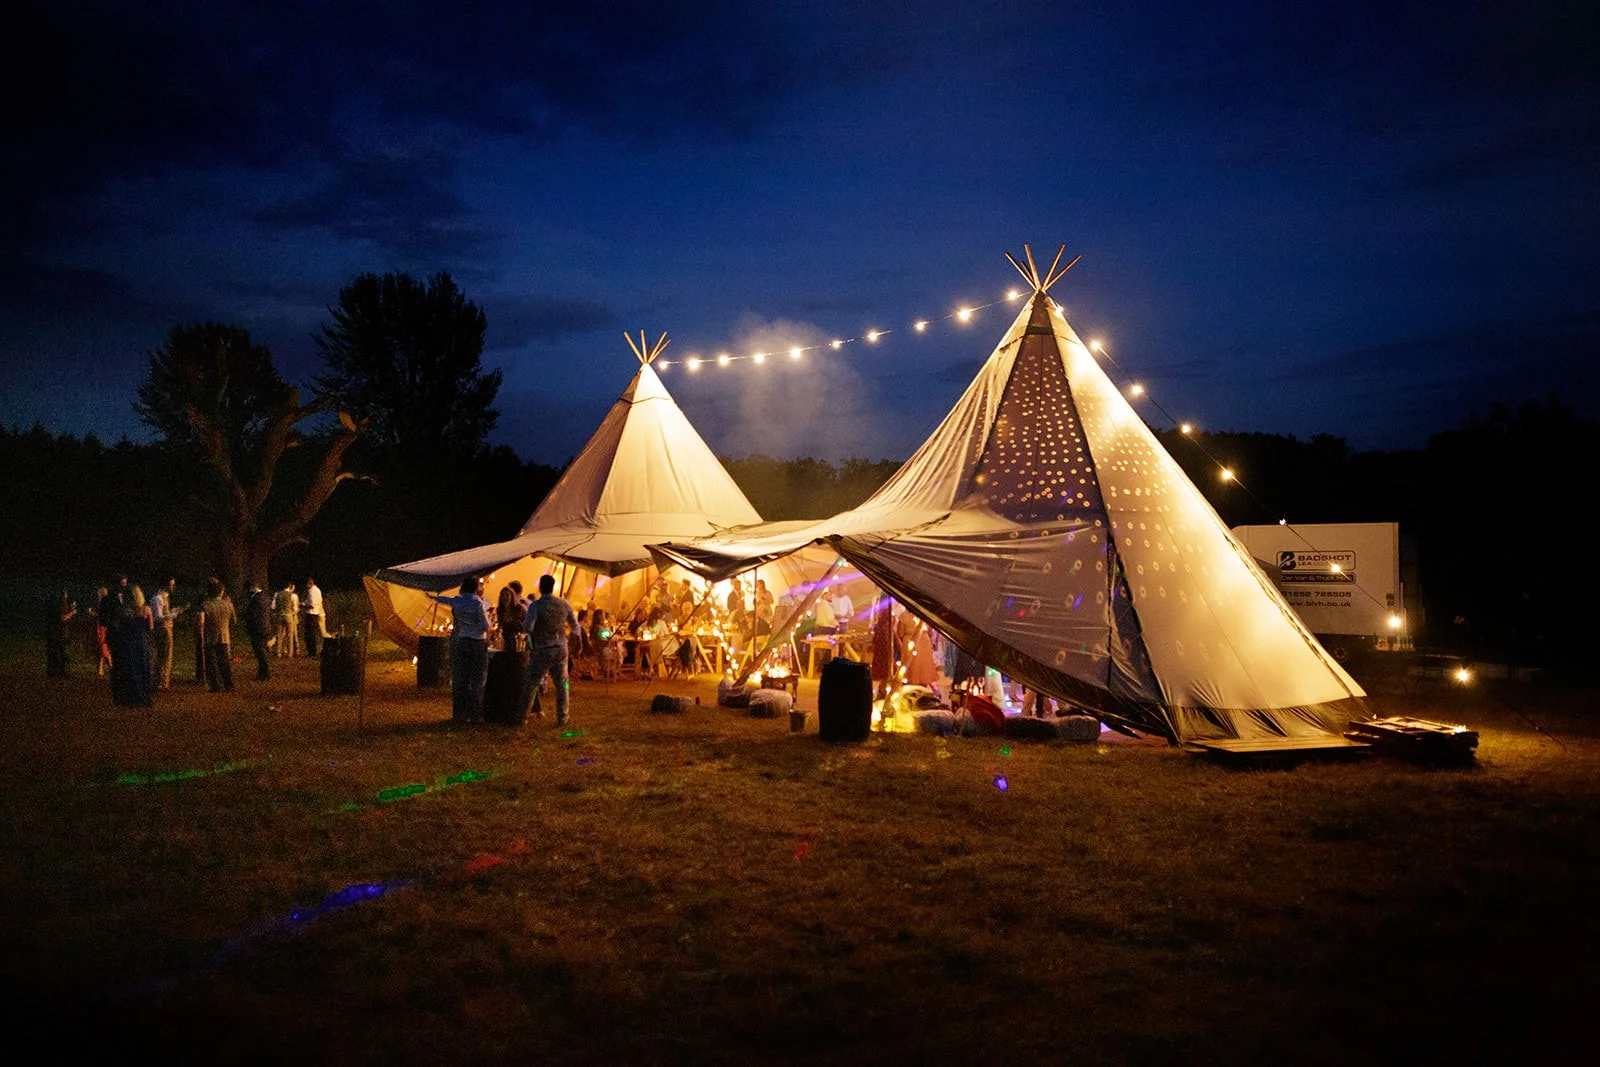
{"points": [[1005, 750], [482, 863], [1000, 783], [570, 733]]}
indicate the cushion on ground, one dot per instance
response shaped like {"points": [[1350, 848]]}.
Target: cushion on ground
{"points": [[730, 695], [1078, 728], [1028, 728], [770, 703], [941, 722], [662, 704], [986, 713]]}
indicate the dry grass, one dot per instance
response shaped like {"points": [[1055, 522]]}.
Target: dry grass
{"points": [[711, 888]]}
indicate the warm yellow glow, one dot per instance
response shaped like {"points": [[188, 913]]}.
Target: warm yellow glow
{"points": [[1227, 474], [873, 335], [724, 359], [760, 357], [1136, 389], [1187, 427], [794, 353], [1013, 294], [1394, 622], [965, 314], [694, 362], [1463, 675], [1336, 568], [838, 343], [922, 324], [663, 364], [1097, 346]]}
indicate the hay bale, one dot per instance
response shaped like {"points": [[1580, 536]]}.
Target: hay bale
{"points": [[1079, 728], [770, 703], [732, 695], [662, 704], [941, 722], [1028, 728]]}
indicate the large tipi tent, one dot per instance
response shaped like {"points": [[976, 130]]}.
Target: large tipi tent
{"points": [[644, 476], [1044, 529]]}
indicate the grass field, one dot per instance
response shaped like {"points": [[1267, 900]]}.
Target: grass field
{"points": [[249, 877]]}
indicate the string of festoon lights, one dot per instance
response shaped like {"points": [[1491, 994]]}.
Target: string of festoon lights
{"points": [[964, 314]]}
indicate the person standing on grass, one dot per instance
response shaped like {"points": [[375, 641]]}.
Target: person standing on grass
{"points": [[163, 611], [316, 628], [258, 626], [216, 629], [469, 650], [133, 652], [57, 635], [550, 620], [286, 609]]}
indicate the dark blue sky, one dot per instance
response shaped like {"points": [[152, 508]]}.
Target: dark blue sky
{"points": [[1367, 220]]}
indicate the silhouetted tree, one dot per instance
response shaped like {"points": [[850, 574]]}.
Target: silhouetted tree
{"points": [[407, 357], [216, 399]]}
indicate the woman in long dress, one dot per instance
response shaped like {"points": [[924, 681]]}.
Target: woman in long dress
{"points": [[132, 683]]}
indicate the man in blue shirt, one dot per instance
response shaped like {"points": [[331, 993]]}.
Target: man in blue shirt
{"points": [[469, 650], [547, 623]]}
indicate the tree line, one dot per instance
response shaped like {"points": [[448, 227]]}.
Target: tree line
{"points": [[253, 478]]}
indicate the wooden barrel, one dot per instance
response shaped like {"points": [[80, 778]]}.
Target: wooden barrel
{"points": [[433, 662], [502, 691], [341, 665]]}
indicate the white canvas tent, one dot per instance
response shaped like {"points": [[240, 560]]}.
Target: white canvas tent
{"points": [[1044, 529], [644, 476]]}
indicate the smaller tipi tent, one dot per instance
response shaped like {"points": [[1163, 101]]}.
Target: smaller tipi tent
{"points": [[644, 476]]}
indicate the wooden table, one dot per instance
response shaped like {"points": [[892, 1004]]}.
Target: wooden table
{"points": [[835, 644]]}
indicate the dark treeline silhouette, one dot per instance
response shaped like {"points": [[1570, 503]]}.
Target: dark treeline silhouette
{"points": [[79, 510], [1470, 502]]}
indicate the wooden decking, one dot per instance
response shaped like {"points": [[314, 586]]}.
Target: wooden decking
{"points": [[1265, 750]]}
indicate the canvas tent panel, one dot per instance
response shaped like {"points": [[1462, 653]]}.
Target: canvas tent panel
{"points": [[1218, 634]]}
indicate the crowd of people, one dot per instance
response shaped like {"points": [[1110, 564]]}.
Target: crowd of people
{"points": [[130, 636], [662, 636]]}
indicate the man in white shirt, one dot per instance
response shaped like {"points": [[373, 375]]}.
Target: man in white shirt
{"points": [[843, 610], [316, 626]]}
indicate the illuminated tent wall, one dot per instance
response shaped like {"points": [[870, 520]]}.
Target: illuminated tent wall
{"points": [[1044, 529], [644, 476]]}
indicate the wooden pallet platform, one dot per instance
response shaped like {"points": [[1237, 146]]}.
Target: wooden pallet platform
{"points": [[1282, 750]]}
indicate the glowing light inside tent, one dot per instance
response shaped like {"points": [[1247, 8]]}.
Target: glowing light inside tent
{"points": [[1394, 622]]}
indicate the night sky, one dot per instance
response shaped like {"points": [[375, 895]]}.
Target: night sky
{"points": [[1366, 220]]}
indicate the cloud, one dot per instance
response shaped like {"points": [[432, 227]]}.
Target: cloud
{"points": [[516, 322]]}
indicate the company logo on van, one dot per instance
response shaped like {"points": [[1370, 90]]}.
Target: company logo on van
{"points": [[1317, 566]]}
